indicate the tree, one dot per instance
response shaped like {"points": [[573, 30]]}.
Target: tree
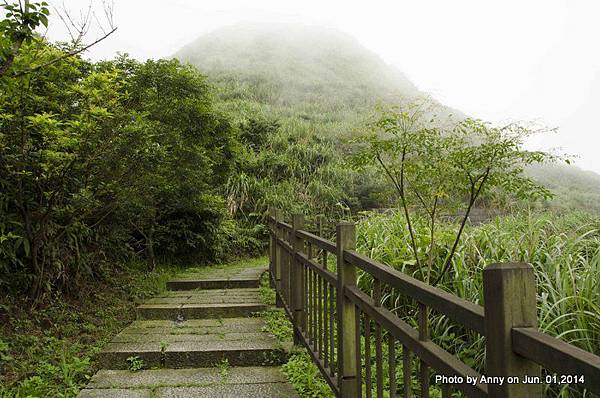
{"points": [[19, 25], [56, 132], [18, 28], [435, 170], [98, 157], [184, 150]]}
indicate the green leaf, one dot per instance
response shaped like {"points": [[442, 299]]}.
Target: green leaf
{"points": [[26, 247]]}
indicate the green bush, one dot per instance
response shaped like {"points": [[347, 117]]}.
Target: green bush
{"points": [[100, 162]]}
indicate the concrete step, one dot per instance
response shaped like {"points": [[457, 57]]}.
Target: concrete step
{"points": [[216, 283], [198, 311], [240, 341], [196, 340], [206, 296], [239, 279], [219, 381], [199, 304]]}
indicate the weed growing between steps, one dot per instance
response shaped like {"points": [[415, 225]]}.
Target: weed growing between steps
{"points": [[135, 363], [50, 352], [301, 372], [224, 370]]}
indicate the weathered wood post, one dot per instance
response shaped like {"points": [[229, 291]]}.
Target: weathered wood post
{"points": [[272, 247], [346, 312], [287, 265], [510, 301], [278, 215], [297, 278]]}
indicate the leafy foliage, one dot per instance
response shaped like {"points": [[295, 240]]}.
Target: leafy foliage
{"points": [[434, 170], [135, 363], [50, 352], [306, 377], [17, 28], [134, 149], [564, 250]]}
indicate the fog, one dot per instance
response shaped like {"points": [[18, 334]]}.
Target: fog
{"points": [[496, 60]]}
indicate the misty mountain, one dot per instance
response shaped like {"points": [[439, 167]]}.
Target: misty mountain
{"points": [[297, 64], [321, 81], [312, 79], [572, 186]]}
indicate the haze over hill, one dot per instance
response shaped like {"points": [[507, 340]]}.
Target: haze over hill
{"points": [[322, 81], [301, 63], [311, 78]]}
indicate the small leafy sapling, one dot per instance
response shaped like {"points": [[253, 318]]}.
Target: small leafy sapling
{"points": [[435, 170]]}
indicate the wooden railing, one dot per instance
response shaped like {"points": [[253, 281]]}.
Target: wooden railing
{"points": [[332, 317]]}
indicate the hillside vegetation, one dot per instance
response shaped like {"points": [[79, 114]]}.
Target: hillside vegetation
{"points": [[319, 81], [313, 72], [573, 188], [319, 88], [117, 172]]}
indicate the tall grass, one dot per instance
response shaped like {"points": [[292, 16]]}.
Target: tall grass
{"points": [[564, 250]]}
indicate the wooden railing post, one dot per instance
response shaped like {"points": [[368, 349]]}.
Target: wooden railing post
{"points": [[346, 312], [278, 215], [510, 301], [297, 279], [286, 271], [272, 247]]}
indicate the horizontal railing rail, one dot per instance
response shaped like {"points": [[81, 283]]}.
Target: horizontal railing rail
{"points": [[463, 311], [564, 359], [342, 326], [317, 241], [428, 351]]}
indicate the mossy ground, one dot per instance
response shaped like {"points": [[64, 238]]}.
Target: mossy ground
{"points": [[50, 351]]}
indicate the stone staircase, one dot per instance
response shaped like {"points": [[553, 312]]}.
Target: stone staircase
{"points": [[200, 339]]}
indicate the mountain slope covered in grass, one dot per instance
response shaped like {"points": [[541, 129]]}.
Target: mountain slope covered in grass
{"points": [[312, 79], [293, 65], [321, 82], [572, 186]]}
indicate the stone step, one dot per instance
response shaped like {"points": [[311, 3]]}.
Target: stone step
{"points": [[198, 304], [196, 340], [155, 330], [195, 326], [189, 354], [205, 299], [198, 311], [194, 343], [216, 283], [239, 279], [221, 381]]}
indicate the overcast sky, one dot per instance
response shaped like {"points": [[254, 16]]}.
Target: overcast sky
{"points": [[495, 60]]}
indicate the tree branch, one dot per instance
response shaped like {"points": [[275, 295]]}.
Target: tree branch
{"points": [[64, 56], [388, 172], [472, 199], [406, 213], [432, 238]]}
